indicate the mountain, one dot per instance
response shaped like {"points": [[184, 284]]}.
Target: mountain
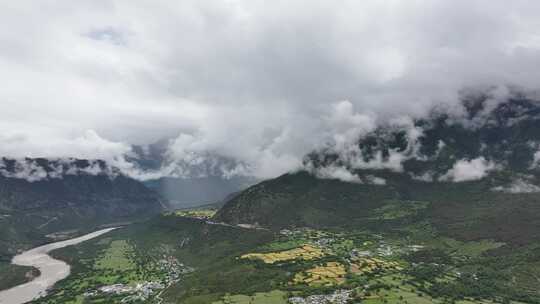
{"points": [[196, 191], [41, 196], [474, 171], [189, 183]]}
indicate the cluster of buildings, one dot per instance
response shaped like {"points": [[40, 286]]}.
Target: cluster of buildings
{"points": [[168, 265], [138, 292], [338, 297], [172, 269]]}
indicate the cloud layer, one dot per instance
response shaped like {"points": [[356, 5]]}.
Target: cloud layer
{"points": [[256, 82]]}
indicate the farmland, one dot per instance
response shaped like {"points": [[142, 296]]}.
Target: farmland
{"points": [[328, 274], [194, 261], [305, 252], [114, 270]]}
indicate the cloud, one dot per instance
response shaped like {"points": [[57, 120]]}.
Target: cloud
{"points": [[88, 146], [339, 173], [349, 152], [259, 83], [425, 177], [518, 186], [345, 125], [374, 180], [344, 174], [536, 158], [29, 171], [468, 170], [33, 170]]}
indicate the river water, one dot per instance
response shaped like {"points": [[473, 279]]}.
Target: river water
{"points": [[51, 270]]}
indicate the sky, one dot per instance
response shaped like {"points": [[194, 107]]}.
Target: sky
{"points": [[260, 82]]}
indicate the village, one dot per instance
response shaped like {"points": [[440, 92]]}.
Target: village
{"points": [[333, 261], [170, 270]]}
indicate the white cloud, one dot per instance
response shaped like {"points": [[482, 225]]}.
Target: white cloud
{"points": [[375, 180], [336, 172], [518, 186], [536, 158], [468, 170], [247, 80], [425, 177], [31, 170], [350, 153], [345, 125], [344, 174]]}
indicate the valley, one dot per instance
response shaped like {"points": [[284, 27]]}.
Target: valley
{"points": [[270, 152], [196, 261]]}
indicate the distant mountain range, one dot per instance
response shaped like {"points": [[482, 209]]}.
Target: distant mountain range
{"points": [[197, 191], [187, 184]]}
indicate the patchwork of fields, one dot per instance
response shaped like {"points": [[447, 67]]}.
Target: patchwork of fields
{"points": [[186, 259]]}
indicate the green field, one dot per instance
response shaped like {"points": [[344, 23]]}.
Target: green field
{"points": [[116, 257]]}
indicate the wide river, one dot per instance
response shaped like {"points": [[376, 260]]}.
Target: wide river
{"points": [[51, 270]]}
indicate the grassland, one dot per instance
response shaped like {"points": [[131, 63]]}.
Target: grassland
{"points": [[470, 249], [117, 257], [393, 210]]}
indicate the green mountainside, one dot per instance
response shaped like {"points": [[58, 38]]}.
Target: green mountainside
{"points": [[467, 210], [45, 202]]}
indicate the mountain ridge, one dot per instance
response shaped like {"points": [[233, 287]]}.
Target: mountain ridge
{"points": [[40, 196]]}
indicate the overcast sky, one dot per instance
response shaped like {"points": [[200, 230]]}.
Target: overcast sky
{"points": [[260, 81]]}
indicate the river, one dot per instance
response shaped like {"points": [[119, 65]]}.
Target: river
{"points": [[51, 270]]}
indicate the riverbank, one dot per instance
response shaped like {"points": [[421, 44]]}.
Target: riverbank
{"points": [[51, 270]]}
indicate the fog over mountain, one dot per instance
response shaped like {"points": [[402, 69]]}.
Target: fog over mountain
{"points": [[254, 83]]}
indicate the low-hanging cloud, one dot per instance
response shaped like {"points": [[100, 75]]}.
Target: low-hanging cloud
{"points": [[33, 170], [468, 170], [519, 185], [261, 83]]}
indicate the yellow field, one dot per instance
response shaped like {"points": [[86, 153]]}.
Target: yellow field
{"points": [[306, 252], [369, 265], [333, 273]]}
